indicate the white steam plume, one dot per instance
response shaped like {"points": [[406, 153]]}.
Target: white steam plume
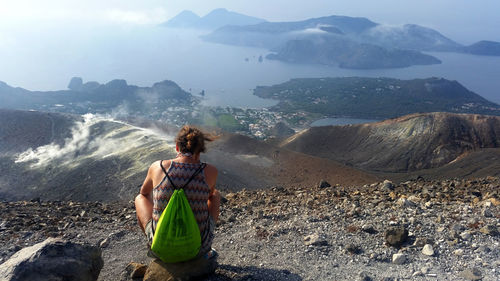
{"points": [[82, 144]]}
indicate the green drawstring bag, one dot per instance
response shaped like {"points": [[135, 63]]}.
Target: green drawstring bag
{"points": [[177, 237]]}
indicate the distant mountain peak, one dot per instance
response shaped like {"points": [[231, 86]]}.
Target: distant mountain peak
{"points": [[219, 10], [183, 19], [213, 20], [187, 12]]}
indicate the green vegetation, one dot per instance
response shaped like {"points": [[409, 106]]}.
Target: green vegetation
{"points": [[229, 123], [219, 119], [207, 120], [375, 97]]}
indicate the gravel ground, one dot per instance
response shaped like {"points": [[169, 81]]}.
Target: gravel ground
{"points": [[440, 230]]}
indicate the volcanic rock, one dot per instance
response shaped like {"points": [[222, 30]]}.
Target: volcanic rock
{"points": [[388, 185], [472, 274], [54, 259], [354, 249], [136, 270], [456, 230], [314, 239], [490, 230], [160, 271], [487, 213], [368, 229], [265, 238], [323, 184], [396, 236], [364, 276], [398, 258], [428, 250]]}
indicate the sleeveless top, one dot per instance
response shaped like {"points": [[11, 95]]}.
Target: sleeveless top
{"points": [[197, 193]]}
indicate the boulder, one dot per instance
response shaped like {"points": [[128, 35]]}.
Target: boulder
{"points": [[398, 258], [136, 270], [324, 184], [396, 236], [388, 185], [189, 270], [54, 259]]}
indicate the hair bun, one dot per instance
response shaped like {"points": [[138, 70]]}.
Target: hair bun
{"points": [[192, 140], [191, 136]]}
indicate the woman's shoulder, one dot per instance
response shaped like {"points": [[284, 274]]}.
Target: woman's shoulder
{"points": [[211, 175], [158, 164], [209, 168]]}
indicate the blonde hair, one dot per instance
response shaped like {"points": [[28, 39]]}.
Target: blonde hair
{"points": [[192, 140]]}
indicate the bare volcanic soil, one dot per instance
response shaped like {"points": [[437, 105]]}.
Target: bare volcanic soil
{"points": [[303, 232], [21, 129], [246, 162], [65, 157], [409, 143]]}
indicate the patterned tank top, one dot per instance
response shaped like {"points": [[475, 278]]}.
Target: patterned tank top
{"points": [[197, 193]]}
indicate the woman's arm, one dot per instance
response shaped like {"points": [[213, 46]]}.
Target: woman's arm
{"points": [[214, 198], [147, 185], [144, 201]]}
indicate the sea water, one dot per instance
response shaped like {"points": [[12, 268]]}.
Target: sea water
{"points": [[46, 59]]}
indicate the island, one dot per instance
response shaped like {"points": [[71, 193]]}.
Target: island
{"points": [[347, 42], [374, 98], [301, 102]]}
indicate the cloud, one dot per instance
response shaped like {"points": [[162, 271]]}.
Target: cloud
{"points": [[148, 97], [45, 154], [153, 16], [315, 30], [89, 12]]}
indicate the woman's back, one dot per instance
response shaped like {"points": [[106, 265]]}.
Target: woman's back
{"points": [[197, 192]]}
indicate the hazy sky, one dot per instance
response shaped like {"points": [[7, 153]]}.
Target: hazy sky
{"points": [[463, 20], [43, 43]]}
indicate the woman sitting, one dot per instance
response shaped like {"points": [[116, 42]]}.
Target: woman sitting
{"points": [[202, 196]]}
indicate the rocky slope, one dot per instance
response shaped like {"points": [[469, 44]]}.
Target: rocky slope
{"points": [[408, 143], [89, 158], [244, 162], [22, 129], [302, 233], [99, 159]]}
